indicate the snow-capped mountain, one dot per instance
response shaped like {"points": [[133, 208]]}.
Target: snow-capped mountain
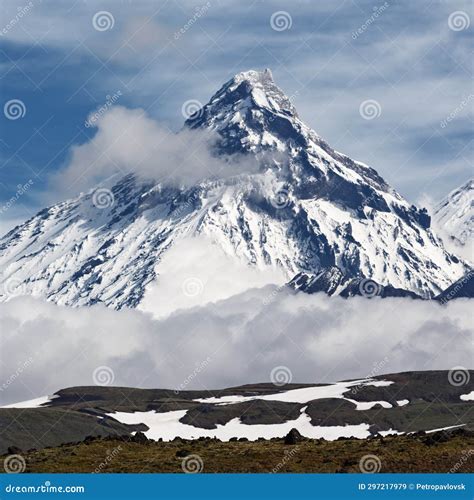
{"points": [[308, 208], [455, 214]]}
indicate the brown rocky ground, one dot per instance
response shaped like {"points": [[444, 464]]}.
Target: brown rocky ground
{"points": [[438, 452]]}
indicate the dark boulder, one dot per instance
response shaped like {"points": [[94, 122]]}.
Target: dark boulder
{"points": [[182, 453], [140, 438], [293, 437], [14, 450]]}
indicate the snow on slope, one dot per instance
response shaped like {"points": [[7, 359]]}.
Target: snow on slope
{"points": [[308, 208], [32, 403], [454, 216], [167, 426], [304, 395], [468, 397]]}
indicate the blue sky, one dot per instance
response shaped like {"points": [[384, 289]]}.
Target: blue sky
{"points": [[413, 59]]}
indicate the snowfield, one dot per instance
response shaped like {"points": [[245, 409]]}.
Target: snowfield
{"points": [[32, 403], [308, 394], [167, 426]]}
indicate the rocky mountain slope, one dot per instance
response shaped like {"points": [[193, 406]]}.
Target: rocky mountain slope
{"points": [[307, 209]]}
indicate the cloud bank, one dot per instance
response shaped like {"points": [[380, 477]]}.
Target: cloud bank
{"points": [[235, 341], [196, 271]]}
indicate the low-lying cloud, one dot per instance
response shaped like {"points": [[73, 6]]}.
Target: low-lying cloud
{"points": [[235, 341], [196, 271]]}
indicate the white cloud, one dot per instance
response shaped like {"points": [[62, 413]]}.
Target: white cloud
{"points": [[195, 272], [319, 339], [129, 141]]}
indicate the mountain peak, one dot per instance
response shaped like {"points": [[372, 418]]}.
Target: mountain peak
{"points": [[255, 76], [247, 98], [260, 90]]}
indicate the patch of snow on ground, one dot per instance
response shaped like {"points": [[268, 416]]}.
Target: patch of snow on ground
{"points": [[445, 428], [390, 432], [167, 427], [304, 395], [467, 397], [31, 403], [403, 402], [367, 405]]}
